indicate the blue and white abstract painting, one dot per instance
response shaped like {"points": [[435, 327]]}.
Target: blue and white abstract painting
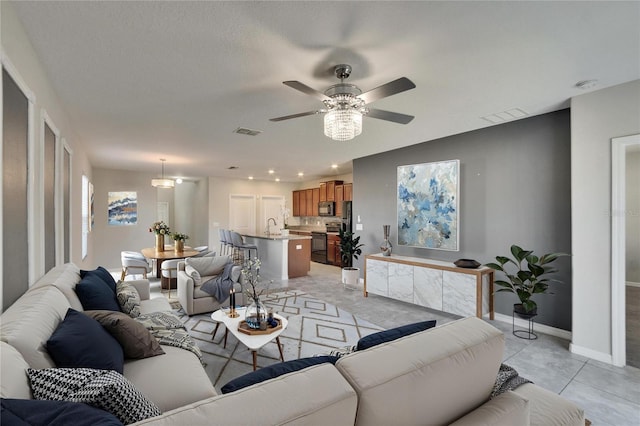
{"points": [[428, 205], [123, 208]]}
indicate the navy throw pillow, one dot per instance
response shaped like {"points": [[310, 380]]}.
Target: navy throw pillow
{"points": [[393, 334], [33, 412], [275, 370], [96, 295], [81, 342], [103, 274]]}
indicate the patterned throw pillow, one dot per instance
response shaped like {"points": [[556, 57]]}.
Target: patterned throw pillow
{"points": [[340, 352], [105, 389], [193, 273], [128, 298]]}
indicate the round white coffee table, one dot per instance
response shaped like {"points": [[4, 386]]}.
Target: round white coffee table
{"points": [[252, 341]]}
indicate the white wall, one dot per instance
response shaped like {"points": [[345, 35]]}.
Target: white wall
{"points": [[17, 48], [187, 214], [632, 224], [221, 188], [596, 118]]}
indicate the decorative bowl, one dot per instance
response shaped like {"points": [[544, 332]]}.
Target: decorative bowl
{"points": [[466, 263]]}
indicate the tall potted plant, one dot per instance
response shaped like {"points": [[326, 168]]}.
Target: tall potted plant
{"points": [[527, 274], [350, 248]]}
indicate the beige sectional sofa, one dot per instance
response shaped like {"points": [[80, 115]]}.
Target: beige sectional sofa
{"points": [[170, 381], [439, 376]]}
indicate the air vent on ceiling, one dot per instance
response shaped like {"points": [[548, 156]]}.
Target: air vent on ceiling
{"points": [[501, 117], [245, 131], [232, 167]]}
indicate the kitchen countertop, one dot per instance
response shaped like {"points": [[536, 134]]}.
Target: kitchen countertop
{"points": [[278, 237]]}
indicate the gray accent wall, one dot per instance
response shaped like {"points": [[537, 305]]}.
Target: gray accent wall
{"points": [[515, 187], [15, 255]]}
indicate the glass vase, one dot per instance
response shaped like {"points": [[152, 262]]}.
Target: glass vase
{"points": [[386, 246], [256, 314]]}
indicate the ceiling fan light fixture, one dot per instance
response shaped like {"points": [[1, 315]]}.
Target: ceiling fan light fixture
{"points": [[343, 123], [162, 182]]}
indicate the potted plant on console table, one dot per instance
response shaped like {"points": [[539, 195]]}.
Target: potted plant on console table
{"points": [[349, 250], [525, 281]]}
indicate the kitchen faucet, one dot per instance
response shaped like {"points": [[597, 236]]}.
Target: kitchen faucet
{"points": [[268, 228]]}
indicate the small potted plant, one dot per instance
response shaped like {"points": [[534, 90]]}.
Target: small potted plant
{"points": [[178, 241], [527, 275], [350, 248]]}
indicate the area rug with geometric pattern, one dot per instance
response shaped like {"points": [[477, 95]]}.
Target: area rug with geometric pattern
{"points": [[315, 327]]}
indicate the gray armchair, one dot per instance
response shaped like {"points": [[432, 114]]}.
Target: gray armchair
{"points": [[195, 301]]}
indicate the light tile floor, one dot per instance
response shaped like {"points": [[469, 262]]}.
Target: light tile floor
{"points": [[609, 395]]}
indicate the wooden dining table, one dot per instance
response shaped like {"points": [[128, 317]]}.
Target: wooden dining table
{"points": [[168, 253]]}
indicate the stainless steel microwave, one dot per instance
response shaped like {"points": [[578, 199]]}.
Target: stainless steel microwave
{"points": [[326, 208]]}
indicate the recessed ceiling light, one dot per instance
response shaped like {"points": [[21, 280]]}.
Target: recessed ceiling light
{"points": [[587, 84], [250, 177], [300, 174], [271, 171], [277, 179], [179, 181], [334, 166]]}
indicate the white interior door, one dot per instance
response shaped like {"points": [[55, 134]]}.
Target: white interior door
{"points": [[271, 207], [242, 213]]}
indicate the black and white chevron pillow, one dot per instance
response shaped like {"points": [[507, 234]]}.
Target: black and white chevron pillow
{"points": [[128, 299], [104, 389]]}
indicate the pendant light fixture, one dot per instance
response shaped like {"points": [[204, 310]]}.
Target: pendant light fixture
{"points": [[162, 182]]}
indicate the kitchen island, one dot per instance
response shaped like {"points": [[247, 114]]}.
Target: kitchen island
{"points": [[282, 256]]}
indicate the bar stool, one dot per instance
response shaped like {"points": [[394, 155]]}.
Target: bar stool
{"points": [[239, 244], [228, 242], [223, 242]]}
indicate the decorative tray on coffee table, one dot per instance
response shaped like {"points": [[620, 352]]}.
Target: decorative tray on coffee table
{"points": [[244, 328]]}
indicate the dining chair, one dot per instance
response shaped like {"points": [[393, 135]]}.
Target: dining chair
{"points": [[132, 263], [169, 275]]}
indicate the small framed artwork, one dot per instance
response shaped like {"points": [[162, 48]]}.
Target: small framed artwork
{"points": [[123, 208], [428, 205]]}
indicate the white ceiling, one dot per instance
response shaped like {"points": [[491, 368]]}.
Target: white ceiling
{"points": [[149, 80]]}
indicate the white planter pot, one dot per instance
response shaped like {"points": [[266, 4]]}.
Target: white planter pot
{"points": [[350, 276]]}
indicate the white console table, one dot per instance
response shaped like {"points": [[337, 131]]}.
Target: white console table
{"points": [[431, 283]]}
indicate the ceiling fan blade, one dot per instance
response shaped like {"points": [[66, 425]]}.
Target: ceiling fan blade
{"points": [[391, 88], [302, 114], [306, 89], [396, 117]]}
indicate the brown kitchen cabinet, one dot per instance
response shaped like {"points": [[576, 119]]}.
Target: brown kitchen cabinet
{"points": [[339, 198], [315, 200], [331, 189], [348, 191], [309, 197], [323, 191], [303, 202], [333, 250], [296, 203]]}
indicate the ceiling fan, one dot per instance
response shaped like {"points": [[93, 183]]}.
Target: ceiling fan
{"points": [[345, 104]]}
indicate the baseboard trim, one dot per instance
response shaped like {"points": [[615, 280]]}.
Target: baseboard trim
{"points": [[632, 284], [558, 332], [590, 353]]}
